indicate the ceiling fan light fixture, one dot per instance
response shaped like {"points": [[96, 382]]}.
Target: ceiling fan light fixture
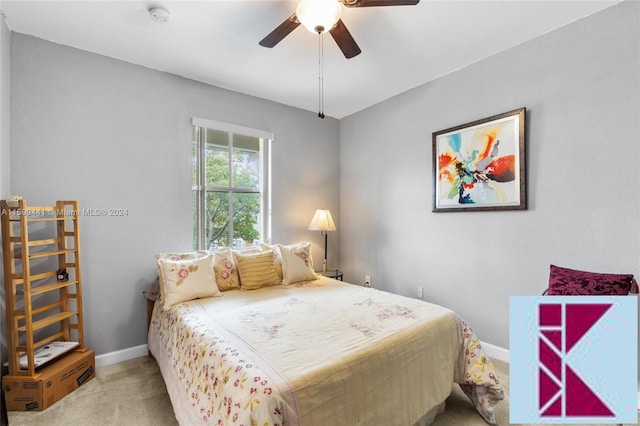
{"points": [[319, 16]]}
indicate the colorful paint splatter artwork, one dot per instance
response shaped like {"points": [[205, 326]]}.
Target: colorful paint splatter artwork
{"points": [[478, 165]]}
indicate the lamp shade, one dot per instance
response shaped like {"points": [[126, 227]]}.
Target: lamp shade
{"points": [[318, 16], [322, 221]]}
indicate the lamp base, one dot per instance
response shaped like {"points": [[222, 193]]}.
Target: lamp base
{"points": [[324, 267]]}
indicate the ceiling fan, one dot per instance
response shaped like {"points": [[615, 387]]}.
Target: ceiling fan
{"points": [[320, 16]]}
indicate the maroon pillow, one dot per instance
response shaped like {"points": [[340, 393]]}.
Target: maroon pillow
{"points": [[567, 282]]}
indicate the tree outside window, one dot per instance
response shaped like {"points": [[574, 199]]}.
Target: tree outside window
{"points": [[229, 200]]}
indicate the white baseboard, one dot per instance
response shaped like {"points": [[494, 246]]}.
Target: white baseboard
{"points": [[121, 355], [495, 352]]}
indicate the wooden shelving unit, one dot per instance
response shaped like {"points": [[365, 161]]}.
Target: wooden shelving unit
{"points": [[36, 243]]}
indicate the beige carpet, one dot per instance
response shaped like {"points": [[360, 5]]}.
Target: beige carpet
{"points": [[133, 393], [129, 393]]}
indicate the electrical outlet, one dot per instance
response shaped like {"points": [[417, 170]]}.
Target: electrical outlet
{"points": [[419, 292], [367, 280]]}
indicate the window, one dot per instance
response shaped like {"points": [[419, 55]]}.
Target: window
{"points": [[230, 185]]}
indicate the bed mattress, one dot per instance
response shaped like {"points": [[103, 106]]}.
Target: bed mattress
{"points": [[321, 352]]}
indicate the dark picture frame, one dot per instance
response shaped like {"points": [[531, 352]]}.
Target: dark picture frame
{"points": [[480, 166]]}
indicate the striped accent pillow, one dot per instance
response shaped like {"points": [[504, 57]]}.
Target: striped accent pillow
{"points": [[256, 270]]}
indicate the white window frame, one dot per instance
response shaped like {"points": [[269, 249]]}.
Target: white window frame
{"points": [[266, 138]]}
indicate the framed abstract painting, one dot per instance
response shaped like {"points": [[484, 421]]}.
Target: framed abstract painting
{"points": [[480, 166]]}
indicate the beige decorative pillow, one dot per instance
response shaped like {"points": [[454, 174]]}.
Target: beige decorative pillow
{"points": [[297, 264], [187, 280], [175, 256], [226, 272], [256, 270], [277, 261]]}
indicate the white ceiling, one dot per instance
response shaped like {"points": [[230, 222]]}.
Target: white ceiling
{"points": [[216, 42]]}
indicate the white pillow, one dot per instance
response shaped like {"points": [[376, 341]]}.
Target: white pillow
{"points": [[296, 263], [175, 256], [187, 279]]}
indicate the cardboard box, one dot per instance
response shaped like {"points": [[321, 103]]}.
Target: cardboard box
{"points": [[51, 383]]}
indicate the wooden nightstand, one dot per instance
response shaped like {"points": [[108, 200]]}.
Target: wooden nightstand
{"points": [[152, 293]]}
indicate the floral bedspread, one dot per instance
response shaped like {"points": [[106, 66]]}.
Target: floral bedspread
{"points": [[310, 354], [477, 376]]}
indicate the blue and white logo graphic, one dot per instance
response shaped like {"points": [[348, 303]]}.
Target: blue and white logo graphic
{"points": [[574, 359]]}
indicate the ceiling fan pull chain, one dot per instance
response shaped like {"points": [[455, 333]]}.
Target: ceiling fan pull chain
{"points": [[320, 75]]}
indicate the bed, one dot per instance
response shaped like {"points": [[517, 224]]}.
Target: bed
{"points": [[316, 352]]}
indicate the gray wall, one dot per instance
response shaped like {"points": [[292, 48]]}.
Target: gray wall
{"points": [[5, 91], [5, 40], [115, 135], [581, 86]]}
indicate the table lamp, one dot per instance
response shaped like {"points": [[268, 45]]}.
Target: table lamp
{"points": [[323, 222]]}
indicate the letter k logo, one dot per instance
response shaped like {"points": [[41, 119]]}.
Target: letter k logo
{"points": [[562, 393]]}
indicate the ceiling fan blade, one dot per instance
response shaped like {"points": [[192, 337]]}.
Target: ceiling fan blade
{"points": [[345, 40], [373, 3], [280, 32]]}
